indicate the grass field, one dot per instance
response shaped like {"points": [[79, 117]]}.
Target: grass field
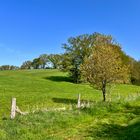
{"points": [[117, 119]]}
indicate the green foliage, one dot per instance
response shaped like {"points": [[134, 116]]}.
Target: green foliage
{"points": [[37, 63], [44, 59], [55, 60], [80, 47], [8, 67], [75, 52], [26, 65]]}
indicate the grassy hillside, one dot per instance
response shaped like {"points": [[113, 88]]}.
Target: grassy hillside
{"points": [[38, 89], [43, 88]]}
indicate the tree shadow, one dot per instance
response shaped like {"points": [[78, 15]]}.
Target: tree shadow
{"points": [[115, 132], [135, 82], [70, 101], [133, 109], [104, 131], [59, 79], [64, 100]]}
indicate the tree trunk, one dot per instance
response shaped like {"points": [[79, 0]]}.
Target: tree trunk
{"points": [[104, 96], [44, 66], [104, 90]]}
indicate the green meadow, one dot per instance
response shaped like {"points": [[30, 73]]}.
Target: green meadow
{"points": [[35, 90]]}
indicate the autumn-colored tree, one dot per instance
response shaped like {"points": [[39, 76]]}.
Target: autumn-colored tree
{"points": [[80, 47], [104, 66]]}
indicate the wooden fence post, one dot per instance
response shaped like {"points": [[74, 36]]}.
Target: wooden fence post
{"points": [[13, 108], [79, 102]]}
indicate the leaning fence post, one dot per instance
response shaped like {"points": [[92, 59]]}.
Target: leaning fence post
{"points": [[79, 103], [13, 108]]}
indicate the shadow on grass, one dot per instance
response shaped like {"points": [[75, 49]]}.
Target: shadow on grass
{"points": [[64, 100], [69, 101], [115, 132], [132, 109], [59, 79]]}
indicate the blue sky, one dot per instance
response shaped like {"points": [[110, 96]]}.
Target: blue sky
{"points": [[29, 28]]}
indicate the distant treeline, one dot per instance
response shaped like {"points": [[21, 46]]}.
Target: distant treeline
{"points": [[77, 49], [8, 67], [44, 61]]}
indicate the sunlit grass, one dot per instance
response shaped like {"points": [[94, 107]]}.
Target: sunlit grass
{"points": [[118, 118]]}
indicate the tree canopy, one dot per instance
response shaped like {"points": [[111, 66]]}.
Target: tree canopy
{"points": [[104, 66], [75, 51]]}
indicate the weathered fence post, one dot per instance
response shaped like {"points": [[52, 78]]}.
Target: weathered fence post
{"points": [[79, 103], [13, 108]]}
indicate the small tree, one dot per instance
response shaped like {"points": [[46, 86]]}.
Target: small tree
{"points": [[104, 67]]}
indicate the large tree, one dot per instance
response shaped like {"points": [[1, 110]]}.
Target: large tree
{"points": [[104, 66], [80, 47], [75, 51]]}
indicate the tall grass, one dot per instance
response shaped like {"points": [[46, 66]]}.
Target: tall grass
{"points": [[116, 119], [101, 121]]}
